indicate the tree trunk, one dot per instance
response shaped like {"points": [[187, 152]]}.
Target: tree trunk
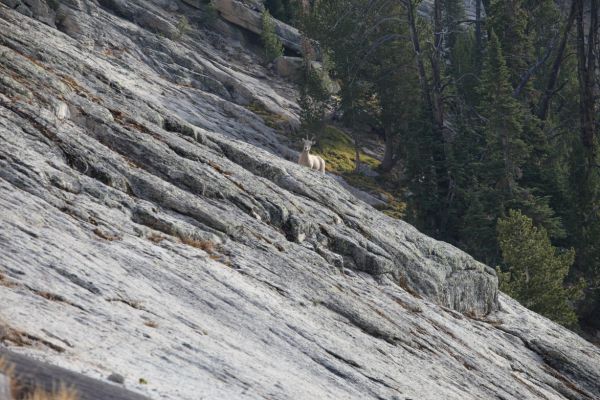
{"points": [[414, 37], [438, 104], [551, 85], [389, 156], [586, 74], [478, 33], [356, 155], [433, 101]]}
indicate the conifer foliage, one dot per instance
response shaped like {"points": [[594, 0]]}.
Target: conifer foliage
{"points": [[481, 117], [271, 42], [536, 269]]}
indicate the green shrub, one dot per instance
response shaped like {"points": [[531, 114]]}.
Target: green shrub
{"points": [[271, 42], [183, 26]]}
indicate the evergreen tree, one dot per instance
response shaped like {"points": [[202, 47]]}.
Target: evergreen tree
{"points": [[271, 43], [498, 167], [508, 19], [506, 149], [477, 122], [314, 98], [396, 88], [536, 269]]}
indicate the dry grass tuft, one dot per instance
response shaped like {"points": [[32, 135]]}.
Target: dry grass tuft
{"points": [[50, 296], [18, 393], [63, 393], [151, 324], [105, 235], [205, 245], [8, 334], [137, 304], [6, 368], [155, 237], [4, 281]]}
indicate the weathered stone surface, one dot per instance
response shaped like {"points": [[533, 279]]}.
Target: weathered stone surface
{"points": [[5, 387], [154, 227], [30, 374], [288, 67], [11, 3]]}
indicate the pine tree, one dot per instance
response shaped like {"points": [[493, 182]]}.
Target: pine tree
{"points": [[506, 149], [536, 269], [271, 43], [508, 19], [497, 165]]}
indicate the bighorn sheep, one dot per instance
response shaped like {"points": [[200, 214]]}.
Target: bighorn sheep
{"points": [[309, 160]]}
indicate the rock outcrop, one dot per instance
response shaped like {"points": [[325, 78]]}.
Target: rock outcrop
{"points": [[152, 228], [240, 14]]}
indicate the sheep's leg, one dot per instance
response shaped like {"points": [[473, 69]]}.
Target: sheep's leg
{"points": [[321, 165]]}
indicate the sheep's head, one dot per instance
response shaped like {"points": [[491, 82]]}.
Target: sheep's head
{"points": [[308, 143]]}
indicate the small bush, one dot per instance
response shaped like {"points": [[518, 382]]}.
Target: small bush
{"points": [[271, 42], [183, 26]]}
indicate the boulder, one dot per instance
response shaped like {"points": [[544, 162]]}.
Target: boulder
{"points": [[11, 3], [288, 67]]}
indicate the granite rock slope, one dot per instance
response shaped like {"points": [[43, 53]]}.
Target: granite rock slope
{"points": [[151, 226]]}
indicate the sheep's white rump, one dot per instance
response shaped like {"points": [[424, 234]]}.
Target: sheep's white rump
{"points": [[309, 160]]}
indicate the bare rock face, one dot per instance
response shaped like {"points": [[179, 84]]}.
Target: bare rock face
{"points": [[288, 67], [150, 225]]}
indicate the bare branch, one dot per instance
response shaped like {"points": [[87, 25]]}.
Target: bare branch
{"points": [[533, 69]]}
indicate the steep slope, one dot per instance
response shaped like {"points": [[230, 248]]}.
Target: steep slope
{"points": [[151, 226]]}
